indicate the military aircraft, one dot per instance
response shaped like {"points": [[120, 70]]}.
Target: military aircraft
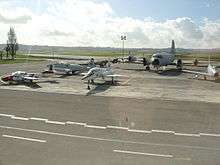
{"points": [[64, 68], [98, 72], [157, 60], [70, 69], [162, 59], [19, 77], [211, 71]]}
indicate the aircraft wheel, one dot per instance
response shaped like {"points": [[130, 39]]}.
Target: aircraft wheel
{"points": [[147, 68], [179, 64]]}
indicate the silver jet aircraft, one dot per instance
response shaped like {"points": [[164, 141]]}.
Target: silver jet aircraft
{"points": [[69, 69], [103, 73]]}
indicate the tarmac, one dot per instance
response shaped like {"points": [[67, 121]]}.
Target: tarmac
{"points": [[147, 118]]}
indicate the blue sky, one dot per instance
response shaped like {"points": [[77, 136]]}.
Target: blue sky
{"points": [[167, 9]]}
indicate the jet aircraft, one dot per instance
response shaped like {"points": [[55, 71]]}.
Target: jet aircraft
{"points": [[98, 72], [19, 77]]}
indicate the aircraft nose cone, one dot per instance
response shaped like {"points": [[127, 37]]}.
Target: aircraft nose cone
{"points": [[155, 62]]}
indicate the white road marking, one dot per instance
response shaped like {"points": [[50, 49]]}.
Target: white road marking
{"points": [[163, 131], [95, 126], [6, 115], [117, 127], [23, 138], [142, 153], [183, 159], [75, 123], [185, 134], [208, 134], [112, 140], [138, 131], [19, 118], [38, 119], [55, 122]]}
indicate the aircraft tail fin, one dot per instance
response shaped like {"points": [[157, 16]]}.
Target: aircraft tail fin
{"points": [[173, 49]]}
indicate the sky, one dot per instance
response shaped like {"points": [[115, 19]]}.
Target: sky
{"points": [[100, 23]]}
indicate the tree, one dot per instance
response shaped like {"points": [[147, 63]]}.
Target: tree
{"points": [[12, 45], [1, 54]]}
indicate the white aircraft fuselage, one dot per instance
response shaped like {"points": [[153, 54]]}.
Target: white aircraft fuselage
{"points": [[98, 73], [162, 59]]}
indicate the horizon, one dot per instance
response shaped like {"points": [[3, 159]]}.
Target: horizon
{"points": [[100, 23]]}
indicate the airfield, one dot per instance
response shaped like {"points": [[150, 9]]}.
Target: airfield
{"points": [[146, 118]]}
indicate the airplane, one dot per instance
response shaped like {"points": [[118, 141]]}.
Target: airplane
{"points": [[64, 68], [19, 77], [98, 72], [210, 72], [131, 58], [162, 59], [69, 69]]}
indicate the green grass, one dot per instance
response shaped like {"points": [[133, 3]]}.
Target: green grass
{"points": [[5, 61], [21, 59], [201, 56]]}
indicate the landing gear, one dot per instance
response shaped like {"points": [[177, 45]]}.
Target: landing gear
{"points": [[113, 82], [147, 67], [92, 82], [88, 87], [179, 64]]}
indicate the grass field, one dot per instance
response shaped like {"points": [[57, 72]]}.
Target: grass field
{"points": [[20, 58], [201, 56]]}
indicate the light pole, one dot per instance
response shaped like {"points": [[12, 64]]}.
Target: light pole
{"points": [[123, 38]]}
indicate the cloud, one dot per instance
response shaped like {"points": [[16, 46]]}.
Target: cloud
{"points": [[57, 33], [94, 23], [18, 20]]}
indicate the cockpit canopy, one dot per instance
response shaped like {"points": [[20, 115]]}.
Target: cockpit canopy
{"points": [[157, 56]]}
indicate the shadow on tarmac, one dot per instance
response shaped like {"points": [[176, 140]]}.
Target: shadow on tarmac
{"points": [[170, 72], [99, 88]]}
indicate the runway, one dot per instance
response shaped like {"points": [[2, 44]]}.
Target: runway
{"points": [[43, 128]]}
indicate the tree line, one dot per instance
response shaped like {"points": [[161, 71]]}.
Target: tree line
{"points": [[11, 48]]}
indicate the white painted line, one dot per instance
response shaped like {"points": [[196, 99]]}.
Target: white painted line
{"points": [[142, 153], [111, 140], [38, 119], [75, 123], [185, 134], [94, 126], [23, 138], [19, 118], [6, 115], [163, 131], [138, 131], [208, 134], [116, 127], [55, 122], [183, 159]]}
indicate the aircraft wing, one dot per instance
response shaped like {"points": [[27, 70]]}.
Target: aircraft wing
{"points": [[2, 82], [116, 75], [31, 78], [196, 72]]}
